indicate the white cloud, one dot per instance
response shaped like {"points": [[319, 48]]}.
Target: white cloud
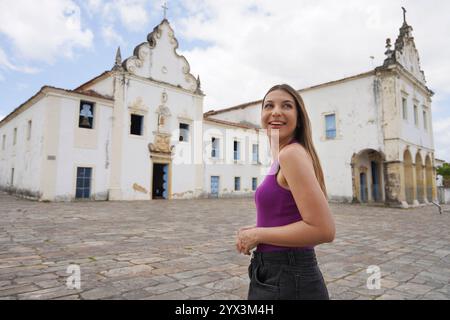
{"points": [[257, 43], [94, 5], [5, 63], [43, 30], [132, 14], [110, 35]]}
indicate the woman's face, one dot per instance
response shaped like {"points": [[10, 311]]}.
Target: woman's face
{"points": [[279, 113]]}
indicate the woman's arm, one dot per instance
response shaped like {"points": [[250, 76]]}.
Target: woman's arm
{"points": [[317, 225]]}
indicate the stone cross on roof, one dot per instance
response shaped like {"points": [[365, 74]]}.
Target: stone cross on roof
{"points": [[404, 14], [164, 6]]}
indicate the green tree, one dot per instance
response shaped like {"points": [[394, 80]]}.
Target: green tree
{"points": [[444, 171]]}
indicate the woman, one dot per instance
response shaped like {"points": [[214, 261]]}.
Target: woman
{"points": [[293, 214]]}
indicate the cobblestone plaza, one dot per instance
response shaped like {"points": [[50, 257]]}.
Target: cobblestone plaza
{"points": [[184, 249]]}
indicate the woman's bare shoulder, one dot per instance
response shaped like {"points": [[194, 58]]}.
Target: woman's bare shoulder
{"points": [[293, 151]]}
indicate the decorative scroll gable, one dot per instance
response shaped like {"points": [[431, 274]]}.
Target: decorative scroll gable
{"points": [[405, 53], [157, 59]]}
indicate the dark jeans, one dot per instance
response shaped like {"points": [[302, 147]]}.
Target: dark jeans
{"points": [[286, 275]]}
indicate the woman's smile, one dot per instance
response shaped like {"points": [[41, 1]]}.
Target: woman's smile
{"points": [[276, 124]]}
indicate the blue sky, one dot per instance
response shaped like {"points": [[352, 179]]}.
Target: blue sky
{"points": [[239, 48], [84, 62]]}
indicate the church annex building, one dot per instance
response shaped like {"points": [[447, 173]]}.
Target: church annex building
{"points": [[138, 132]]}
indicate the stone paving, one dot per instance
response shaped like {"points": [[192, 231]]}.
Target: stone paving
{"points": [[184, 249]]}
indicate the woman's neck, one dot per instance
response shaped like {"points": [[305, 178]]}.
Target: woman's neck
{"points": [[281, 144], [285, 142]]}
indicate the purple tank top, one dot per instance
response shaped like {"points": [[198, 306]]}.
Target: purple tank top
{"points": [[275, 206]]}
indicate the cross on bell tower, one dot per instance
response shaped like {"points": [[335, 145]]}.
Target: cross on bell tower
{"points": [[164, 6], [404, 15]]}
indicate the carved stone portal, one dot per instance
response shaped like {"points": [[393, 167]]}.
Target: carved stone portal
{"points": [[161, 145]]}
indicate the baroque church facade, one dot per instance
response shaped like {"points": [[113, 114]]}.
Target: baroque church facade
{"points": [[138, 132]]}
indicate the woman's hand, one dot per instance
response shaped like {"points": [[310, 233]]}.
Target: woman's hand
{"points": [[247, 239], [239, 246]]}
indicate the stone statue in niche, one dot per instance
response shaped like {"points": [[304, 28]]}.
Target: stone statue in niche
{"points": [[161, 121], [163, 113], [161, 144]]}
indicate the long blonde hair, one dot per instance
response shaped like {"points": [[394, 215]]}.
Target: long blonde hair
{"points": [[303, 132]]}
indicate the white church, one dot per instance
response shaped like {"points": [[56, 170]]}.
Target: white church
{"points": [[138, 132]]}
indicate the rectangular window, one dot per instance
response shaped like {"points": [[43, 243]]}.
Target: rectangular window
{"points": [[136, 124], [84, 176], [214, 147], [86, 118], [184, 132], [405, 109], [29, 130], [236, 150], [15, 136], [4, 142], [416, 115], [254, 183], [237, 183], [330, 126], [255, 153], [425, 120], [12, 176]]}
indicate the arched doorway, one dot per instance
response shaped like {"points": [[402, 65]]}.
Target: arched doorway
{"points": [[429, 178], [420, 180], [367, 172], [409, 177]]}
